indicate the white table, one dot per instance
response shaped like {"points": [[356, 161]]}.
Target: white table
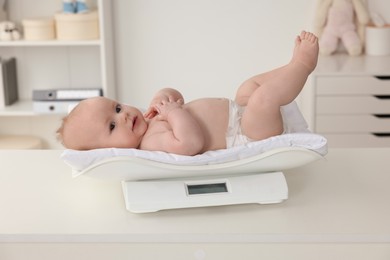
{"points": [[338, 208]]}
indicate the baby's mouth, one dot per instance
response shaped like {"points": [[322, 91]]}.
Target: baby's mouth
{"points": [[134, 122]]}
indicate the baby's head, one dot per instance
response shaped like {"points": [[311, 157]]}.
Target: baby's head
{"points": [[102, 123]]}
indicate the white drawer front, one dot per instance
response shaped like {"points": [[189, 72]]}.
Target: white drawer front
{"points": [[353, 85], [353, 105], [352, 124], [357, 140]]}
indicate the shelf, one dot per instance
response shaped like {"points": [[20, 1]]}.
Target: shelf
{"points": [[23, 108], [23, 43], [20, 108]]}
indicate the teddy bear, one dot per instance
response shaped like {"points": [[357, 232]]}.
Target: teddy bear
{"points": [[8, 31], [342, 20]]}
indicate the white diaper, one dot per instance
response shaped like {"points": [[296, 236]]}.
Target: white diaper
{"points": [[234, 136], [293, 122]]}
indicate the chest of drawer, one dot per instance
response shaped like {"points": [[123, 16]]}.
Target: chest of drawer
{"points": [[358, 140], [351, 101], [353, 124], [353, 85], [358, 104]]}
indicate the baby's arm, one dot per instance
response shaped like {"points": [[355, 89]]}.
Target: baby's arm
{"points": [[184, 135], [165, 94]]}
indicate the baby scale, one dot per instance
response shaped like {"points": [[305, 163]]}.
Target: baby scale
{"points": [[152, 186], [151, 196]]}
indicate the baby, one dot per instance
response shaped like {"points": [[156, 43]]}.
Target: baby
{"points": [[192, 128]]}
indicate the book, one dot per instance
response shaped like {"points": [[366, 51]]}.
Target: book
{"points": [[8, 82]]}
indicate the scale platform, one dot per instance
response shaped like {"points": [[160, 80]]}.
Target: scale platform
{"points": [[155, 195]]}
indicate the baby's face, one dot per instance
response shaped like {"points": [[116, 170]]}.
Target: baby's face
{"points": [[103, 123]]}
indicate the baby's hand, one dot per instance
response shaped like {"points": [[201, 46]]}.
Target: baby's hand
{"points": [[164, 95], [165, 107], [156, 106]]}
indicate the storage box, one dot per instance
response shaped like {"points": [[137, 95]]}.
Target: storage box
{"points": [[378, 40], [84, 26], [39, 29]]}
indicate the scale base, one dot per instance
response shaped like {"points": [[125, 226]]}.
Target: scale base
{"points": [[156, 195]]}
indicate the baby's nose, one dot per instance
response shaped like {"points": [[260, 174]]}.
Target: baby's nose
{"points": [[124, 116]]}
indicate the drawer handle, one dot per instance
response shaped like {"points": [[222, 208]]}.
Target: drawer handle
{"points": [[382, 96], [381, 134], [382, 115], [382, 77]]}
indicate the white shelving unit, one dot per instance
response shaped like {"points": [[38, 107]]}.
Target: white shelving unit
{"points": [[55, 64]]}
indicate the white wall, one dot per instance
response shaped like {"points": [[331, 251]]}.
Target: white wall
{"points": [[380, 7], [201, 47]]}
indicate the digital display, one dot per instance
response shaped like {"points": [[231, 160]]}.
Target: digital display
{"points": [[195, 189]]}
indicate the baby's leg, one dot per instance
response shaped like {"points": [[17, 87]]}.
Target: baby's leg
{"points": [[268, 92], [250, 85]]}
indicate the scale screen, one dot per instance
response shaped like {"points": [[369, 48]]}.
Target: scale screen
{"points": [[195, 189]]}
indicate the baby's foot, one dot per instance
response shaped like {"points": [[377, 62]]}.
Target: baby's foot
{"points": [[306, 50]]}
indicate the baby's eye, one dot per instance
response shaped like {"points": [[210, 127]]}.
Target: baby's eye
{"points": [[118, 108], [112, 126]]}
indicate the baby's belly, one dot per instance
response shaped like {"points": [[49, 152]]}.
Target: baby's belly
{"points": [[213, 117]]}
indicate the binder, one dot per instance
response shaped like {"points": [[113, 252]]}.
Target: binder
{"points": [[53, 107], [2, 91], [75, 94], [8, 82]]}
